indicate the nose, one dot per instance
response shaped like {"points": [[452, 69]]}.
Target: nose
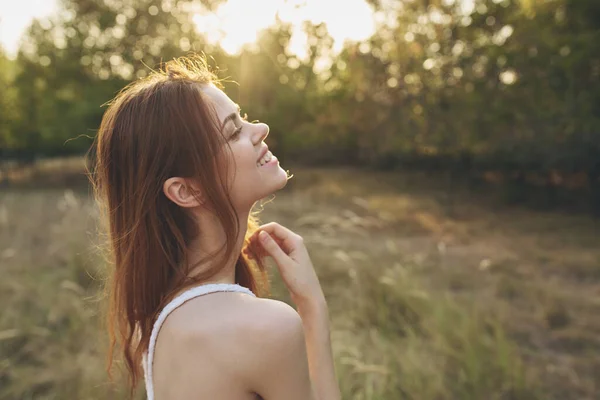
{"points": [[261, 132]]}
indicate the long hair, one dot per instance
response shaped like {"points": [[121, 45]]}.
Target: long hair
{"points": [[156, 128]]}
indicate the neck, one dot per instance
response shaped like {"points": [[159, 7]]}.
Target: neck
{"points": [[211, 239]]}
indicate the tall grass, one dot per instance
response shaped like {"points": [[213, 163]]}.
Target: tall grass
{"points": [[402, 342], [394, 337], [51, 343]]}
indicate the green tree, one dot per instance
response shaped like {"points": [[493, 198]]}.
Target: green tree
{"points": [[9, 112], [73, 63]]}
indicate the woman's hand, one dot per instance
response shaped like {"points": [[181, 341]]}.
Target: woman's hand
{"points": [[298, 274], [291, 256]]}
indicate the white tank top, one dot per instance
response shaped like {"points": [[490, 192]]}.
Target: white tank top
{"points": [[189, 294]]}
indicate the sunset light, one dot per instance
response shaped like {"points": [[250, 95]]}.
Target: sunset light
{"points": [[438, 159], [234, 23], [237, 22]]}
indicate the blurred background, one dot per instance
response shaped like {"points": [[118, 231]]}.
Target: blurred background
{"points": [[446, 161]]}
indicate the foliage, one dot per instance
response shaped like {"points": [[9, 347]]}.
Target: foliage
{"points": [[507, 86]]}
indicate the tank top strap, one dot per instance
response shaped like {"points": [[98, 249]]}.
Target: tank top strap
{"points": [[148, 357]]}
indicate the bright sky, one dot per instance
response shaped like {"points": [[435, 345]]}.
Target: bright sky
{"points": [[233, 24], [15, 17], [237, 22]]}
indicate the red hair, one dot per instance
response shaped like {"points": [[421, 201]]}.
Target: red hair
{"points": [[156, 128]]}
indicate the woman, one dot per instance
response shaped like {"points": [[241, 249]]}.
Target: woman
{"points": [[177, 172]]}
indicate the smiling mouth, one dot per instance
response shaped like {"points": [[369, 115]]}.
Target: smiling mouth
{"points": [[265, 159]]}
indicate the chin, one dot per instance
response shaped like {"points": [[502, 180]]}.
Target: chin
{"points": [[283, 178], [276, 184]]}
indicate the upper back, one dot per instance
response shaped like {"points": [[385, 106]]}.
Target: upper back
{"points": [[226, 345], [188, 323]]}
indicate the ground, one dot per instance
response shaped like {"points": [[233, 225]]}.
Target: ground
{"points": [[433, 293]]}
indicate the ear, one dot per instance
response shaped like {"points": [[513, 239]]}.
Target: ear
{"points": [[181, 192]]}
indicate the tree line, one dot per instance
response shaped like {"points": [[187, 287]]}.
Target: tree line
{"points": [[503, 89]]}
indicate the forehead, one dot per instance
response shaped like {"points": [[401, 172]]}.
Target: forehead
{"points": [[222, 103]]}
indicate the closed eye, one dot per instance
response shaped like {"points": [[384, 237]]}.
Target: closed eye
{"points": [[238, 130], [235, 133]]}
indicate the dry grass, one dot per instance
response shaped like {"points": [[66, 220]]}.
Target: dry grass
{"points": [[431, 297]]}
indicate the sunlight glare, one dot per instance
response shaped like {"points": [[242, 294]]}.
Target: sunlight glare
{"points": [[237, 22], [15, 17]]}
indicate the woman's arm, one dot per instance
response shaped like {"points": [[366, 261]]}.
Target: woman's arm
{"points": [[315, 320], [276, 366], [296, 269]]}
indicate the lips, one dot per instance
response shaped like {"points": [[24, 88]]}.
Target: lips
{"points": [[262, 153]]}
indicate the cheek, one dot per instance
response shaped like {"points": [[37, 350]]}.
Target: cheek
{"points": [[229, 163], [245, 184], [243, 168], [244, 156]]}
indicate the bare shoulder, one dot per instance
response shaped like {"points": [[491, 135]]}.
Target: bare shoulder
{"points": [[269, 317], [257, 324], [273, 358], [259, 343], [228, 312], [232, 344], [236, 322]]}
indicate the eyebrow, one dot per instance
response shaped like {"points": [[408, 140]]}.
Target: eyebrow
{"points": [[230, 117]]}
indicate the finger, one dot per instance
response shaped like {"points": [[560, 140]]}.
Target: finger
{"points": [[273, 249], [255, 250], [256, 243], [253, 242], [248, 253], [287, 239], [251, 251]]}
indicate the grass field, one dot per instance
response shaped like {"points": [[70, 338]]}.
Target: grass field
{"points": [[433, 295]]}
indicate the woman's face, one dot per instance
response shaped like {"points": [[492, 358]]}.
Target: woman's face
{"points": [[253, 178]]}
